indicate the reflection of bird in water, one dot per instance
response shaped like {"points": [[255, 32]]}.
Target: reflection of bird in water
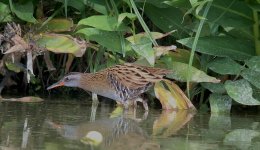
{"points": [[114, 133]]}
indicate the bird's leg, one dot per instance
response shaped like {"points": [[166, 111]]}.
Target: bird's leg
{"points": [[126, 105], [94, 107], [94, 99], [145, 105]]}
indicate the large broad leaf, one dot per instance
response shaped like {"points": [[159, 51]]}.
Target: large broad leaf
{"points": [[241, 92], [169, 3], [232, 13], [57, 25], [183, 55], [156, 3], [104, 22], [59, 43], [167, 19], [5, 13], [78, 4], [223, 46], [225, 66], [252, 76], [214, 87], [246, 33], [180, 73], [23, 11], [109, 39], [144, 48], [254, 63], [97, 5], [241, 138], [220, 103]]}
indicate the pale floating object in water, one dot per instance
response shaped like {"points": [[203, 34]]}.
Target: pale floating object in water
{"points": [[93, 138], [27, 99]]}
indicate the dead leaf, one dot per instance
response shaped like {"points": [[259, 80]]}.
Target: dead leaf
{"points": [[156, 35], [172, 97], [162, 50], [61, 43]]}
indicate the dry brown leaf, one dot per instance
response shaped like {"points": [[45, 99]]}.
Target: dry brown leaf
{"points": [[162, 50], [174, 98]]}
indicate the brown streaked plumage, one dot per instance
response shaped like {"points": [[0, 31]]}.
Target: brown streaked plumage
{"points": [[122, 83]]}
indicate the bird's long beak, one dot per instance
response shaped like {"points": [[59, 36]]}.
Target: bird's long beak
{"points": [[55, 85]]}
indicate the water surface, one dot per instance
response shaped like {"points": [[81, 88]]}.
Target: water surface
{"points": [[62, 125]]}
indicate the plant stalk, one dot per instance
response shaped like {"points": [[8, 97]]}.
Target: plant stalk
{"points": [[194, 45]]}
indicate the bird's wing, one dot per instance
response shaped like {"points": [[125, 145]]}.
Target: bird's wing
{"points": [[135, 76]]}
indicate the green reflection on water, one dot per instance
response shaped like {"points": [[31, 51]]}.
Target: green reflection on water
{"points": [[69, 125]]}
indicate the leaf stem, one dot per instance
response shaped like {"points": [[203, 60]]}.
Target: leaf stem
{"points": [[145, 27], [256, 32], [194, 45]]}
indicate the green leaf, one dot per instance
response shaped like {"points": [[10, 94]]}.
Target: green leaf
{"points": [[223, 46], [220, 103], [230, 13], [241, 138], [252, 76], [78, 4], [5, 13], [13, 67], [122, 16], [254, 63], [167, 19], [23, 11], [156, 3], [225, 66], [246, 33], [97, 5], [144, 48], [57, 25], [109, 39], [241, 92], [59, 43], [177, 3], [103, 22], [183, 55], [214, 87], [180, 73]]}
